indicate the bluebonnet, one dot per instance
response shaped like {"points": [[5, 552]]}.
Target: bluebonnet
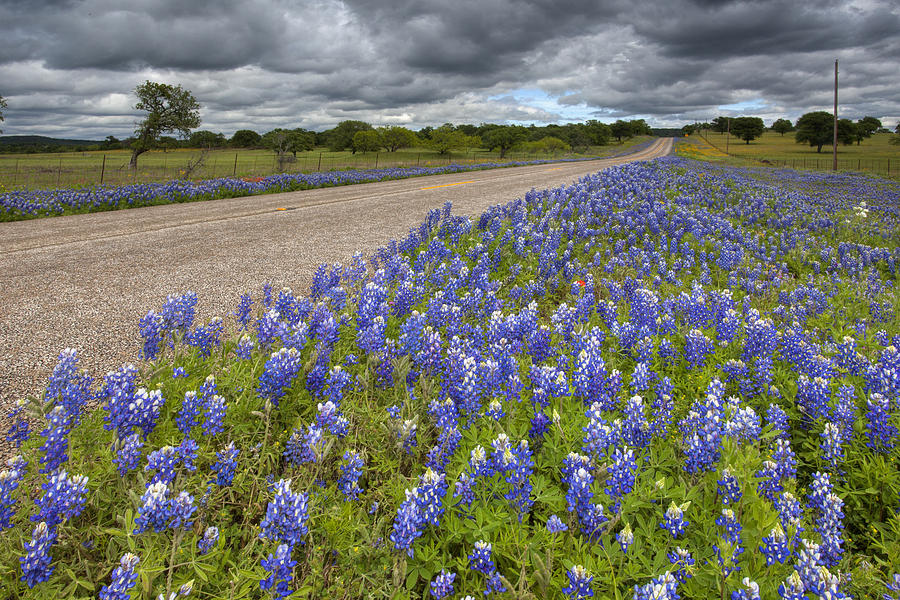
{"points": [[743, 425], [19, 430], [279, 373], [242, 313], [63, 498], [580, 580], [153, 331], [599, 435], [56, 445], [67, 387], [179, 372], [143, 411], [729, 489], [621, 475], [881, 432], [164, 461], [696, 348], [683, 562], [245, 347], [286, 515], [442, 584], [351, 470], [480, 560], [225, 465], [731, 541], [155, 510], [408, 524], [406, 435], [790, 512], [625, 538], [778, 420], [702, 431], [123, 579], [280, 568], [178, 311], [673, 521], [555, 525], [330, 418], [636, 430], [35, 564], [578, 497], [832, 451], [495, 410], [214, 415], [209, 539], [268, 328], [205, 337], [775, 546], [303, 448], [188, 415], [9, 481], [430, 496], [829, 522], [187, 453], [792, 588], [813, 398], [445, 447], [894, 586], [749, 592], [664, 587]]}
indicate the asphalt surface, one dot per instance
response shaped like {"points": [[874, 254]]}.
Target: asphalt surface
{"points": [[84, 281]]}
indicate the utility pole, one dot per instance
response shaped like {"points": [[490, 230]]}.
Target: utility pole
{"points": [[834, 151]]}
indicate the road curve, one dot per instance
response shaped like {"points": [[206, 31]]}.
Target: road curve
{"points": [[84, 281]]}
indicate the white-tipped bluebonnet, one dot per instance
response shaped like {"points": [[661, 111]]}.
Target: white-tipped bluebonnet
{"points": [[621, 477], [635, 428], [351, 470], [245, 347], [893, 586], [580, 580], [775, 546], [67, 387], [329, 417], [187, 453], [408, 524], [881, 431], [153, 332], [792, 588], [178, 311], [480, 560], [495, 410], [9, 481], [683, 563], [143, 411], [743, 425], [63, 498], [280, 568], [214, 415], [179, 372], [225, 465], [182, 510], [625, 538], [56, 445], [728, 489], [242, 313], [674, 521], [164, 461], [128, 456], [832, 452], [18, 432], [209, 539], [750, 591], [35, 564], [123, 579], [286, 515], [696, 348], [664, 587], [279, 373], [188, 415], [156, 509], [442, 584], [205, 337]]}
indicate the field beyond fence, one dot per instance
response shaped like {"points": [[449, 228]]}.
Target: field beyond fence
{"points": [[874, 155], [111, 167]]}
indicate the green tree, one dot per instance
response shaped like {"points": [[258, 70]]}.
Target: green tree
{"points": [[550, 144], [111, 143], [747, 128], [170, 108], [282, 141], [2, 106], [865, 127], [720, 124], [503, 138], [341, 137], [166, 142], [245, 138], [639, 127], [445, 139], [205, 139], [394, 138], [425, 132], [816, 129], [366, 141], [782, 126], [846, 131], [620, 129], [598, 132]]}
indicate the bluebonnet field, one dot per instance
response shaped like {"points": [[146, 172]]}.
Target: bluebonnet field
{"points": [[669, 380], [31, 204]]}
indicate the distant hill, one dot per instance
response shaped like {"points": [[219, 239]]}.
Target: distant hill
{"points": [[40, 140]]}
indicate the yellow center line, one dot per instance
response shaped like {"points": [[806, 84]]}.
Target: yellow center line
{"points": [[445, 185], [280, 208], [555, 169]]}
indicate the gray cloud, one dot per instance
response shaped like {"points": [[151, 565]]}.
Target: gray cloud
{"points": [[68, 68]]}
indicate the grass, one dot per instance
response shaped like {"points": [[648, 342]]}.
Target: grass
{"points": [[84, 169], [875, 154]]}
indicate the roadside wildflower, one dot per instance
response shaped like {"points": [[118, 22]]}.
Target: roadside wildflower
{"points": [[123, 579]]}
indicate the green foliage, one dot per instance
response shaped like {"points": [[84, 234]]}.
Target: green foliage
{"points": [[394, 138], [782, 126], [366, 141], [503, 138], [341, 137], [283, 141], [205, 139], [445, 138], [170, 109], [816, 129], [865, 127], [747, 128], [245, 138]]}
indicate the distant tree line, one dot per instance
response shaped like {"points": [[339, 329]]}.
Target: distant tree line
{"points": [[813, 128]]}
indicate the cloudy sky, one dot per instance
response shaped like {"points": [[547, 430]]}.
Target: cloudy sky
{"points": [[68, 67]]}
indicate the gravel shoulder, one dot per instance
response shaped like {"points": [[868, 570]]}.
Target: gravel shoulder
{"points": [[84, 281]]}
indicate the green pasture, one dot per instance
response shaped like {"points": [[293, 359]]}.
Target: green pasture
{"points": [[874, 154], [83, 169]]}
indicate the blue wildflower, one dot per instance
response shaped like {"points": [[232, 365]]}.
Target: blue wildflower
{"points": [[123, 579], [280, 568], [286, 515], [36, 562], [209, 539], [580, 580]]}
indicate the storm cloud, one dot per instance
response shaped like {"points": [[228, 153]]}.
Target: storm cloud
{"points": [[68, 67]]}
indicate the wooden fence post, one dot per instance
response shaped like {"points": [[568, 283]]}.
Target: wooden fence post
{"points": [[102, 169], [234, 170]]}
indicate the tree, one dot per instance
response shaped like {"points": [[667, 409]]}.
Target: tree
{"points": [[865, 127], [620, 129], [394, 138], [206, 139], [503, 138], [170, 108], [846, 131], [445, 138], [816, 129], [282, 141], [245, 138], [366, 141], [782, 126], [639, 127], [341, 137], [2, 106], [111, 143], [598, 132], [166, 142], [720, 124], [747, 128]]}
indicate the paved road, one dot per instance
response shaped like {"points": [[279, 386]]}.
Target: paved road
{"points": [[84, 281]]}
